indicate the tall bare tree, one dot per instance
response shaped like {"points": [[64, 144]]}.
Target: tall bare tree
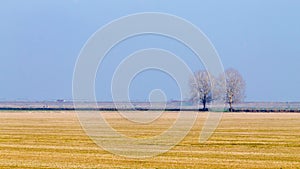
{"points": [[235, 87], [201, 88]]}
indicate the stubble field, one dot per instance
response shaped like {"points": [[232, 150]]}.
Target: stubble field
{"points": [[243, 140]]}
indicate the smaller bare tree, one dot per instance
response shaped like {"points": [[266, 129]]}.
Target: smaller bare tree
{"points": [[235, 87], [201, 88]]}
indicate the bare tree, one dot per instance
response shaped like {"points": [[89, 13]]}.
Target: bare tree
{"points": [[201, 88], [235, 87]]}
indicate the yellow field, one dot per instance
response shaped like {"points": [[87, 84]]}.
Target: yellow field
{"points": [[242, 140]]}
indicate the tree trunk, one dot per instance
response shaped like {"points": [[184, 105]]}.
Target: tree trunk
{"points": [[230, 107], [204, 104]]}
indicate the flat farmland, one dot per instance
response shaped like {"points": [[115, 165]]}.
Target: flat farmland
{"points": [[55, 139]]}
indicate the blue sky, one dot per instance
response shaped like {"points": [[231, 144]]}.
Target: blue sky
{"points": [[40, 42]]}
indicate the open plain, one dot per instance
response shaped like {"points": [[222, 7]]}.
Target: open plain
{"points": [[55, 139]]}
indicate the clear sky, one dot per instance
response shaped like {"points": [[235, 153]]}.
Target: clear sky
{"points": [[40, 42]]}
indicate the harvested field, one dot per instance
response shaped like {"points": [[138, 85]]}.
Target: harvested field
{"points": [[55, 139]]}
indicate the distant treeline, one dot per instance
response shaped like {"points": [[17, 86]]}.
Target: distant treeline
{"points": [[143, 109], [267, 110]]}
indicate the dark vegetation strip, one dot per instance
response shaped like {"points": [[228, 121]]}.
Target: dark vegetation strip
{"points": [[93, 109], [144, 109], [267, 110]]}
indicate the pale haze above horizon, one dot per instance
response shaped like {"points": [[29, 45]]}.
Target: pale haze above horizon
{"points": [[41, 40]]}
